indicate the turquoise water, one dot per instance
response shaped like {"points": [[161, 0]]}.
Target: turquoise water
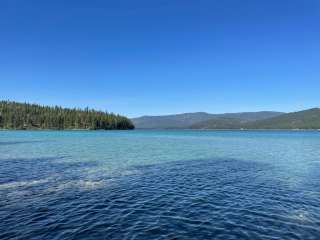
{"points": [[159, 185]]}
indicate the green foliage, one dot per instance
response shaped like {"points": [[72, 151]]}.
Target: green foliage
{"points": [[15, 115]]}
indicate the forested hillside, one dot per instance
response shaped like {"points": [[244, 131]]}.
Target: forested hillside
{"points": [[201, 119], [15, 115], [307, 119], [220, 123]]}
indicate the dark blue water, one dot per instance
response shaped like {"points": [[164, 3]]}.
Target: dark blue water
{"points": [[151, 185]]}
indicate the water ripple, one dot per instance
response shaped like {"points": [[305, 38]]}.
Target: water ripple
{"points": [[63, 197], [219, 199]]}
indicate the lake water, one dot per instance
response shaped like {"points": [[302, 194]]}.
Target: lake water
{"points": [[159, 185]]}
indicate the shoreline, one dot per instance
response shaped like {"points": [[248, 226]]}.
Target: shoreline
{"points": [[50, 129], [164, 129], [230, 129]]}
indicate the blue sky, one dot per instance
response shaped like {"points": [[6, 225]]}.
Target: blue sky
{"points": [[160, 57]]}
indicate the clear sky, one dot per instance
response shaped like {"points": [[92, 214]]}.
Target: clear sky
{"points": [[162, 56]]}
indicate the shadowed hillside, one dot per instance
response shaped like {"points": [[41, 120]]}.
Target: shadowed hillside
{"points": [[307, 119], [219, 123]]}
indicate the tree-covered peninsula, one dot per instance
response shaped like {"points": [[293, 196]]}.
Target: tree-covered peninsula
{"points": [[15, 115]]}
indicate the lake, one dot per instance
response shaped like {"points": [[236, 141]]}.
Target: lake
{"points": [[165, 184]]}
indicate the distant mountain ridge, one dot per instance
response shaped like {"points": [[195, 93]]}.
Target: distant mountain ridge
{"points": [[306, 119], [191, 120]]}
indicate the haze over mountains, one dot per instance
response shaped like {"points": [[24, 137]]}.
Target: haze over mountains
{"points": [[307, 119]]}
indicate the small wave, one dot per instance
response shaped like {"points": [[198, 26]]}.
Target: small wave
{"points": [[30, 183], [301, 215], [129, 172], [80, 185]]}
